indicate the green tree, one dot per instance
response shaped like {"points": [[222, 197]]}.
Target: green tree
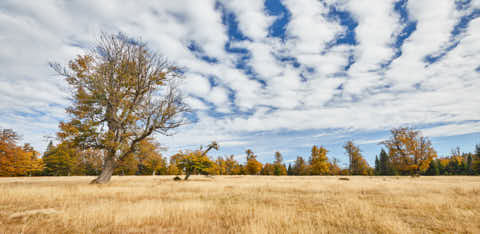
{"points": [[61, 160], [433, 168], [290, 170], [279, 168], [384, 163], [476, 160], [469, 165], [122, 94]]}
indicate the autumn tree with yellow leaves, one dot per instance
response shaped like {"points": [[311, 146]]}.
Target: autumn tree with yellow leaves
{"points": [[253, 167], [196, 161], [358, 165], [122, 93], [319, 164], [409, 151]]}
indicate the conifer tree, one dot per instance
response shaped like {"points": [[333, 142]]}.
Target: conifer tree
{"points": [[433, 168], [289, 170], [469, 165], [384, 164], [279, 168]]}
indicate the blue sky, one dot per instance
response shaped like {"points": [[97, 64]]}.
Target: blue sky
{"points": [[267, 75]]}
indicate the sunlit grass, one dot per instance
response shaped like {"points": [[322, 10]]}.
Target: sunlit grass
{"points": [[241, 204]]}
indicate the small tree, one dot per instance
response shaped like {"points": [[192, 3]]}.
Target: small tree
{"points": [[149, 158], [232, 167], [16, 160], [122, 93], [319, 164], [377, 166], [300, 167], [384, 163], [196, 160], [433, 168], [279, 168], [253, 166], [358, 165], [476, 160]]}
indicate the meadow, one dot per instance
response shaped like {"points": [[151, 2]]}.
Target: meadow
{"points": [[241, 204]]}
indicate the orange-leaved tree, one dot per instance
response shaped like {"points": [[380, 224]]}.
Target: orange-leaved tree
{"points": [[16, 160], [253, 166], [122, 93], [409, 151]]}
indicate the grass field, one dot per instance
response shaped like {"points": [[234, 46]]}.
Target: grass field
{"points": [[241, 204]]}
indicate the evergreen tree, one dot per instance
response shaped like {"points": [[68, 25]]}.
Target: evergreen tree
{"points": [[476, 161], [441, 167], [433, 168], [384, 165], [289, 170], [61, 160], [377, 166], [279, 168], [469, 165]]}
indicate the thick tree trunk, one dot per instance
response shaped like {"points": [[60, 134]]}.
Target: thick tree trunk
{"points": [[187, 174], [107, 172]]}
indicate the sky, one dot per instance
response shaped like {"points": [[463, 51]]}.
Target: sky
{"points": [[274, 75]]}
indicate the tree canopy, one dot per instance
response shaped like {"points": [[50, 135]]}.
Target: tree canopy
{"points": [[122, 93]]}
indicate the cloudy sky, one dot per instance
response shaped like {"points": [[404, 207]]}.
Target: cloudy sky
{"points": [[267, 75]]}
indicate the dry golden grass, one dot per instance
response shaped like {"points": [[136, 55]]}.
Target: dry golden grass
{"points": [[241, 204]]}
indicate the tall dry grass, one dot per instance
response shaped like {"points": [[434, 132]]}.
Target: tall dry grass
{"points": [[241, 204]]}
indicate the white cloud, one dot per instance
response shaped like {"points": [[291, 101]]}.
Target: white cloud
{"points": [[289, 98], [452, 129], [252, 20]]}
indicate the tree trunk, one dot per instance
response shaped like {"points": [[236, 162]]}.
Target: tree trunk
{"points": [[187, 174], [107, 172], [153, 174]]}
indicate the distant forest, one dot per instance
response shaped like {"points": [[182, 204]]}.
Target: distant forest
{"points": [[405, 153]]}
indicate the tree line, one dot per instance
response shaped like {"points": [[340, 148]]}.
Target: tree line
{"points": [[123, 93], [407, 153]]}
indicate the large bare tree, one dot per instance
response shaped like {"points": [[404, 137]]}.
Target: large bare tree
{"points": [[122, 93]]}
